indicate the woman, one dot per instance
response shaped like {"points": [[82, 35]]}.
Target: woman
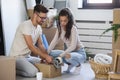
{"points": [[74, 52]]}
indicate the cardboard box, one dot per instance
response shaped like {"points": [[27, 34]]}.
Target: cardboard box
{"points": [[115, 45], [116, 16], [49, 33], [30, 12], [7, 68], [48, 70]]}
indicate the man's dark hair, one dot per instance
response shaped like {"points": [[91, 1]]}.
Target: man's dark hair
{"points": [[40, 8]]}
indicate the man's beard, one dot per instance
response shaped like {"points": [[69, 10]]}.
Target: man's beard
{"points": [[40, 23]]}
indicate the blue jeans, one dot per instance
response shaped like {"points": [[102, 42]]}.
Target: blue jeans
{"points": [[77, 56]]}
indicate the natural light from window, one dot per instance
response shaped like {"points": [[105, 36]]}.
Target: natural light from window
{"points": [[99, 1]]}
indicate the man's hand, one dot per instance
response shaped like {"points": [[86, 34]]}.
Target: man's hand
{"points": [[49, 59]]}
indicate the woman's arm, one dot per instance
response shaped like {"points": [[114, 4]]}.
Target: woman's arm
{"points": [[73, 42], [53, 42]]}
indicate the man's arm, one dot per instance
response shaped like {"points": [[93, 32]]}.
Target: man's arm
{"points": [[41, 46], [36, 50]]}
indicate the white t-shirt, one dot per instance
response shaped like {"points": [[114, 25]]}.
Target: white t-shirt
{"points": [[19, 46]]}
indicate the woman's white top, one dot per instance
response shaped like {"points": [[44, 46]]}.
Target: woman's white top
{"points": [[73, 43]]}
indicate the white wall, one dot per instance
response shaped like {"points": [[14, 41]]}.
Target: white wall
{"points": [[13, 13]]}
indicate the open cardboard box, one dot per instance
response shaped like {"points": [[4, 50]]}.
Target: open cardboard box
{"points": [[48, 70]]}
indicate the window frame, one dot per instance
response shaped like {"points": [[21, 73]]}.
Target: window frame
{"points": [[114, 4]]}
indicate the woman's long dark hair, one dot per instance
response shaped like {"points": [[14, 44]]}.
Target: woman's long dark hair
{"points": [[66, 12]]}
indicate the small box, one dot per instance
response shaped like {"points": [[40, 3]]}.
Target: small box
{"points": [[48, 70], [7, 68]]}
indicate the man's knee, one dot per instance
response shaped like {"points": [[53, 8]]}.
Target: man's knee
{"points": [[31, 73]]}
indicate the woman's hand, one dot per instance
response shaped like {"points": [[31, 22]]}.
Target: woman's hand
{"points": [[67, 56]]}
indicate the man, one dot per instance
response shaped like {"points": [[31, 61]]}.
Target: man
{"points": [[27, 35]]}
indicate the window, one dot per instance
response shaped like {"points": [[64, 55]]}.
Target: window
{"points": [[99, 1], [101, 4]]}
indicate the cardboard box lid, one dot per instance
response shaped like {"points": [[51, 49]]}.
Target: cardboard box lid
{"points": [[6, 58]]}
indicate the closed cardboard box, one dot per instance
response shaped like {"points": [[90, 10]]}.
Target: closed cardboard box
{"points": [[116, 45], [48, 70], [116, 16], [7, 68]]}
